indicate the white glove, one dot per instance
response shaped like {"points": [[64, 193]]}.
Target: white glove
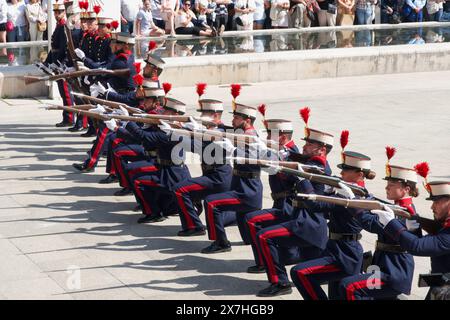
{"points": [[81, 66], [226, 145], [110, 89], [192, 124], [164, 126], [100, 109], [111, 124], [80, 54], [384, 216], [344, 191], [121, 111], [412, 224], [258, 145], [97, 89]]}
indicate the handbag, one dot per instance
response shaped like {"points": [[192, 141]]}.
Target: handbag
{"points": [[9, 26], [41, 26]]}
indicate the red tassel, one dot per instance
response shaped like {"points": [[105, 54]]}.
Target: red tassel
{"points": [[138, 79], [390, 152], [108, 25], [137, 67], [235, 90], [262, 109], [97, 9], [167, 87], [422, 169], [344, 138], [115, 24], [305, 113], [201, 89], [152, 45]]}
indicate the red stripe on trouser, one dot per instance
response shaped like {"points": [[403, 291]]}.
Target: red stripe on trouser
{"points": [[179, 193], [302, 275], [251, 225], [133, 172], [67, 98], [85, 122], [98, 147], [211, 225], [271, 272], [352, 287], [140, 195], [116, 142], [119, 169]]}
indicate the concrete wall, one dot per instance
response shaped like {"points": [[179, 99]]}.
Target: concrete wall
{"points": [[293, 65]]}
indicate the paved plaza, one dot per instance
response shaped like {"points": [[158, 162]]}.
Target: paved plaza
{"points": [[56, 223]]}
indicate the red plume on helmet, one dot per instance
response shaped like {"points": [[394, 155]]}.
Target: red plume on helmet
{"points": [[115, 24], [262, 110], [152, 45], [138, 79], [83, 5], [390, 152], [167, 87], [97, 9], [201, 87], [305, 113], [422, 169], [344, 138], [235, 90], [137, 66]]}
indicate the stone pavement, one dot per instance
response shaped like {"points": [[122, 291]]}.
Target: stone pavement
{"points": [[54, 220]]}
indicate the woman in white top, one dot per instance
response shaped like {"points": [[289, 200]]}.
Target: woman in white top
{"points": [[279, 13], [3, 19], [184, 24], [16, 14], [144, 22], [259, 16], [244, 10], [435, 9], [35, 14], [169, 9]]}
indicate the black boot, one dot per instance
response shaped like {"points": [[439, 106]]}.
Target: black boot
{"points": [[217, 247], [81, 167], [151, 219], [256, 269], [75, 128], [63, 124], [191, 232], [109, 179], [123, 192], [275, 289]]}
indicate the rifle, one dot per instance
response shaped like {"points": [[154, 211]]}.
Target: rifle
{"points": [[111, 104], [44, 68], [287, 164], [431, 226], [76, 74], [205, 121], [85, 107], [357, 203], [89, 114]]}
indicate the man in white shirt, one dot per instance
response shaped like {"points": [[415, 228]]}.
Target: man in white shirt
{"points": [[129, 10]]}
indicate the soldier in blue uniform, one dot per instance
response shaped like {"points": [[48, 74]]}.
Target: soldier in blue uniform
{"points": [[437, 245], [216, 176], [396, 265], [281, 186], [306, 230], [246, 189], [57, 53], [343, 255]]}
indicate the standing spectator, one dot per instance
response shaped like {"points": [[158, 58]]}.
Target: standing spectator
{"points": [[16, 15], [35, 16], [156, 13], [3, 19], [413, 10], [244, 14], [259, 16], [302, 13], [390, 11], [221, 15], [364, 10], [129, 10], [169, 9], [279, 13], [144, 22], [435, 9], [327, 14], [346, 15]]}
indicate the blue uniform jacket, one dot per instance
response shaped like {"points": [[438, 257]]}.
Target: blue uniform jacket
{"points": [[58, 45], [102, 54], [128, 98], [122, 61], [435, 246]]}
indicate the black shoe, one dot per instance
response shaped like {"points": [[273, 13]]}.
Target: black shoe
{"points": [[151, 219], [88, 134], [74, 129], [81, 167], [199, 206], [63, 124], [191, 232], [256, 269], [275, 289], [137, 208], [123, 192], [216, 247], [109, 179]]}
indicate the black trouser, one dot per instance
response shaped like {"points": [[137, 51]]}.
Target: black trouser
{"points": [[191, 30], [221, 19]]}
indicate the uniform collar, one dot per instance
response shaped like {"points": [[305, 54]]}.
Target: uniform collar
{"points": [[290, 144], [62, 22], [447, 223], [361, 184], [406, 203], [321, 159]]}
